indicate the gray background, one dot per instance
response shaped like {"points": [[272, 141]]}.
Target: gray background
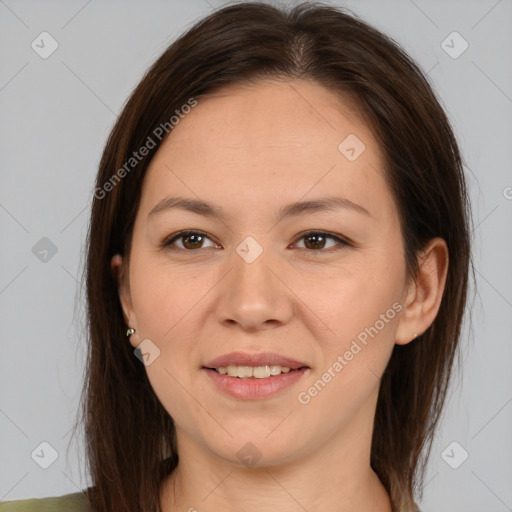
{"points": [[55, 116]]}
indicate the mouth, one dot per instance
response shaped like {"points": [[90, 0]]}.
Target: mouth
{"points": [[254, 382], [254, 372]]}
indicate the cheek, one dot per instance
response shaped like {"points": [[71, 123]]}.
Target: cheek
{"points": [[166, 304], [164, 296], [351, 297], [359, 310], [362, 316]]}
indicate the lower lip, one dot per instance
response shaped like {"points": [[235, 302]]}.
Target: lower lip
{"points": [[254, 389]]}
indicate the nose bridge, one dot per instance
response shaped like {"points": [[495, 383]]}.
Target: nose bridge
{"points": [[252, 295]]}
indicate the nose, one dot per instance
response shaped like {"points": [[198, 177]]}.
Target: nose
{"points": [[254, 295]]}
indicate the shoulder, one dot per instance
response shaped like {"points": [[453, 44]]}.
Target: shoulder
{"points": [[76, 502]]}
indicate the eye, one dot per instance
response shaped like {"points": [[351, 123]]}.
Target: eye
{"points": [[192, 240], [316, 240]]}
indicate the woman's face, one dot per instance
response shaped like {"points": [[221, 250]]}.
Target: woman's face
{"points": [[258, 282]]}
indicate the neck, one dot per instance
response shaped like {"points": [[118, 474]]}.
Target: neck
{"points": [[337, 479], [271, 489]]}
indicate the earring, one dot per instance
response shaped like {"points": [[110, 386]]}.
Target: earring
{"points": [[129, 332]]}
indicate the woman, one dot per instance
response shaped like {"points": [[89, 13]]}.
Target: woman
{"points": [[277, 269]]}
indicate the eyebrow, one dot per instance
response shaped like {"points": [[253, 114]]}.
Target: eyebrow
{"points": [[294, 209]]}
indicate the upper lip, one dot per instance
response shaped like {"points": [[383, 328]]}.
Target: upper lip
{"points": [[261, 359]]}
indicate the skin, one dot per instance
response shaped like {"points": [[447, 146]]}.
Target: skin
{"points": [[251, 150]]}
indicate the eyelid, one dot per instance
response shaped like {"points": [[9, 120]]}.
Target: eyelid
{"points": [[342, 241]]}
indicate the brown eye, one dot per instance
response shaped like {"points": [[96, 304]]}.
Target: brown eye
{"points": [[316, 240], [191, 240]]}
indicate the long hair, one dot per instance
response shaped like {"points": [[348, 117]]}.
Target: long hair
{"points": [[130, 437]]}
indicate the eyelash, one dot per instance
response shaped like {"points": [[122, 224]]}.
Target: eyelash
{"points": [[168, 243]]}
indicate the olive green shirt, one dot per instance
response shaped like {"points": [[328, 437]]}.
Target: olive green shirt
{"points": [[76, 502]]}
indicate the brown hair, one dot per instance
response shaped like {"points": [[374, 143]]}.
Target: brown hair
{"points": [[130, 437]]}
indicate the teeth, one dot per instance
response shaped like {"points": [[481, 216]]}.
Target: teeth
{"points": [[258, 372]]}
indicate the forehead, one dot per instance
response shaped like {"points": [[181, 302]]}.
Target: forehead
{"points": [[265, 140], [270, 114]]}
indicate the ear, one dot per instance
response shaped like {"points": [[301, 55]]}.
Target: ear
{"points": [[424, 293], [120, 274]]}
